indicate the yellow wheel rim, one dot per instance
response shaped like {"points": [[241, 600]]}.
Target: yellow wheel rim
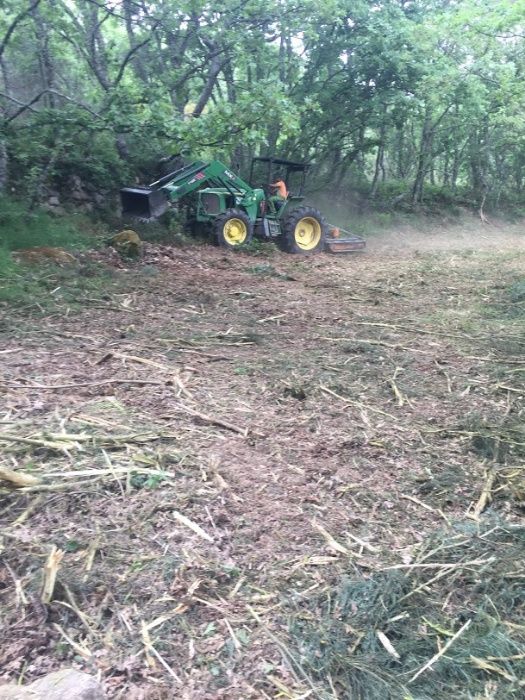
{"points": [[235, 231], [308, 233]]}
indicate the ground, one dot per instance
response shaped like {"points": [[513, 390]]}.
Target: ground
{"points": [[219, 440]]}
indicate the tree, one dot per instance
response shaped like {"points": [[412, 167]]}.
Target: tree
{"points": [[421, 95]]}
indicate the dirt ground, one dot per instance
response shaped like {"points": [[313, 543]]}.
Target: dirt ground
{"points": [[218, 432]]}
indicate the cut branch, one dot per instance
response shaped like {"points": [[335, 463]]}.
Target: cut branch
{"points": [[18, 479]]}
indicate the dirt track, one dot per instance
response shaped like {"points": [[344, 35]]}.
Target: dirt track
{"points": [[290, 408]]}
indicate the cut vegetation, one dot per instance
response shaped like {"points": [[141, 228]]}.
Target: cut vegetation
{"points": [[251, 476]]}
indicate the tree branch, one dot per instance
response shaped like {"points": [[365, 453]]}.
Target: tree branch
{"points": [[129, 56], [22, 15], [25, 106]]}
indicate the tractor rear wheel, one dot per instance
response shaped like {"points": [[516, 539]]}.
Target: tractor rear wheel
{"points": [[304, 231], [233, 228]]}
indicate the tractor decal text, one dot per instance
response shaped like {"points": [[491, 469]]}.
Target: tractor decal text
{"points": [[198, 176]]}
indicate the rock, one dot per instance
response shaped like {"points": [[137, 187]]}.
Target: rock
{"points": [[53, 201], [79, 196], [67, 684], [101, 199], [127, 243]]}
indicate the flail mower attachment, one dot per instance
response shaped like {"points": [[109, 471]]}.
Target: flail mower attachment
{"points": [[143, 202], [340, 241]]}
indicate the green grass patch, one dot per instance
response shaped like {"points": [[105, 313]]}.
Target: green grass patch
{"points": [[48, 286], [21, 228], [467, 580], [260, 248], [267, 270], [517, 291], [508, 301]]}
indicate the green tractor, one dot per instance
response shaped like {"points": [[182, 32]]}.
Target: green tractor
{"points": [[236, 211]]}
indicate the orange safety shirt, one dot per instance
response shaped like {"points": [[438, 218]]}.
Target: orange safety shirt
{"points": [[281, 188]]}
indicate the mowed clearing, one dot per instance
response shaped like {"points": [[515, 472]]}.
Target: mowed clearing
{"points": [[222, 439]]}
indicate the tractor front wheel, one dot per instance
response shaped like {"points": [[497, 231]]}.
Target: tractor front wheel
{"points": [[304, 231], [233, 228]]}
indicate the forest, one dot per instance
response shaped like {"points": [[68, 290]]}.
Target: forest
{"points": [[399, 101]]}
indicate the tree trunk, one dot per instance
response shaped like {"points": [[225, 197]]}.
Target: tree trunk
{"points": [[238, 159], [518, 173], [138, 65], [45, 61], [95, 45], [343, 170], [122, 146], [446, 173], [400, 152], [3, 164], [99, 64], [456, 164], [214, 69], [478, 160], [422, 159], [379, 167], [359, 157], [282, 58], [377, 170]]}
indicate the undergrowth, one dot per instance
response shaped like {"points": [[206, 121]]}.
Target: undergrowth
{"points": [[48, 286], [21, 228], [466, 581], [36, 285]]}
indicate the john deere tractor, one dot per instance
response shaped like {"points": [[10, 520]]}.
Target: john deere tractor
{"points": [[236, 211]]}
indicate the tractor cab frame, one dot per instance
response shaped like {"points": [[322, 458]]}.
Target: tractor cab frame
{"points": [[295, 174]]}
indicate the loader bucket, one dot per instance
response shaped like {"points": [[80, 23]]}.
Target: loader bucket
{"points": [[143, 202]]}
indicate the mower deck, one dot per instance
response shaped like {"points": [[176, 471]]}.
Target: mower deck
{"points": [[341, 241]]}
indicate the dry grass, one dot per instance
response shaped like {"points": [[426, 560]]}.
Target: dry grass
{"points": [[220, 455]]}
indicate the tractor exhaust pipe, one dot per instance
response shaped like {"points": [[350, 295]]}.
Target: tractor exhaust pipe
{"points": [[143, 202]]}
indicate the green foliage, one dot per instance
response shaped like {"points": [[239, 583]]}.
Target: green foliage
{"points": [[517, 291], [68, 144], [20, 228], [266, 270], [47, 284], [423, 98], [143, 481], [73, 545], [215, 133]]}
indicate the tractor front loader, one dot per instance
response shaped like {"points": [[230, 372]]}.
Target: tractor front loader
{"points": [[236, 210]]}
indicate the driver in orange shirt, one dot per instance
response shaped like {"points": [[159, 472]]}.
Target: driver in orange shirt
{"points": [[281, 192]]}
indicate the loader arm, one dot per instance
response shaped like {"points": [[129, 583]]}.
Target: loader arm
{"points": [[194, 176], [152, 201]]}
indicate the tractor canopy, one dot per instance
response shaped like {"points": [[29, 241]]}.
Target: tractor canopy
{"points": [[265, 169]]}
